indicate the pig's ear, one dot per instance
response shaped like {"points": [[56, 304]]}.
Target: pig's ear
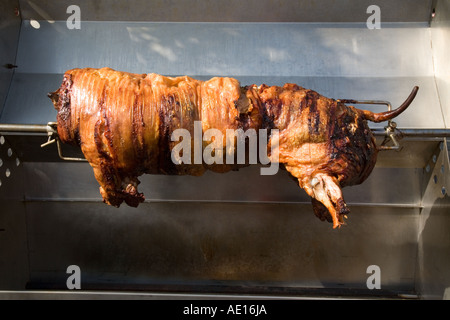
{"points": [[54, 96]]}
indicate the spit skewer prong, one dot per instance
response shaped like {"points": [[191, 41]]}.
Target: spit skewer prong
{"points": [[52, 133]]}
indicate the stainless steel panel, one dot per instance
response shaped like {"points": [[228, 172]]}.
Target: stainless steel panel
{"points": [[76, 182], [440, 33], [337, 60], [207, 244], [28, 93], [433, 261], [218, 230], [238, 49], [229, 11], [14, 269], [414, 153]]}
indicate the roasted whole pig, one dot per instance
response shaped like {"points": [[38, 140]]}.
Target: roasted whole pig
{"points": [[125, 125]]}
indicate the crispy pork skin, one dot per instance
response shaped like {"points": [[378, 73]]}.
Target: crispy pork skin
{"points": [[124, 123]]}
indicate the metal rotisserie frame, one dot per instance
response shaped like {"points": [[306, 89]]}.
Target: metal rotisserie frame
{"points": [[238, 233]]}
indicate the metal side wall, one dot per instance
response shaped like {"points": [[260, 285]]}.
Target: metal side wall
{"points": [[9, 38], [13, 232], [440, 35], [434, 240], [433, 277]]}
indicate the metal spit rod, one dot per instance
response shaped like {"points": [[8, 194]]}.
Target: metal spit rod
{"points": [[44, 128], [420, 133], [389, 132], [50, 129], [26, 128]]}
